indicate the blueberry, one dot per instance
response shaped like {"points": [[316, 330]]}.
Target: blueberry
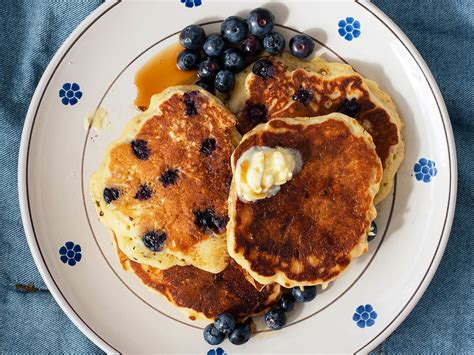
{"points": [[241, 334], [189, 103], [308, 293], [225, 323], [372, 232], [275, 319], [169, 177], [263, 68], [110, 194], [208, 221], [233, 60], [208, 69], [192, 37], [301, 46], [214, 45], [274, 43], [252, 46], [256, 113], [212, 335], [260, 21], [154, 240], [224, 81], [144, 193], [140, 149], [349, 107], [205, 85], [234, 29], [304, 96], [208, 146], [286, 302], [188, 60]]}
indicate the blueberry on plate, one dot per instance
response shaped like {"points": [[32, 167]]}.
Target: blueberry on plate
{"points": [[260, 21], [241, 334], [275, 319], [286, 302], [225, 323], [263, 68], [208, 69], [212, 335], [234, 29], [233, 60], [224, 81], [192, 37], [214, 45], [252, 46], [188, 60], [205, 85], [274, 43], [301, 46], [308, 293]]}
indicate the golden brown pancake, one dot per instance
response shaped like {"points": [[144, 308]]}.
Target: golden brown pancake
{"points": [[308, 233], [298, 88], [164, 184]]}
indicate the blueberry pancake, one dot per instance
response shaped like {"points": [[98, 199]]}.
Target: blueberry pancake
{"points": [[284, 86], [316, 213], [163, 186]]}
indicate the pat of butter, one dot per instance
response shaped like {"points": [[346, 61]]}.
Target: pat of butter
{"points": [[260, 171]]}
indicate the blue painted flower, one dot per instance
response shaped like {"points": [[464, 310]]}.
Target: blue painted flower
{"points": [[372, 232], [218, 351], [364, 316], [70, 93], [70, 253], [191, 3], [349, 28], [425, 170]]}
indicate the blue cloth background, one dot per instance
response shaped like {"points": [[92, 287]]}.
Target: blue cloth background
{"points": [[31, 32]]}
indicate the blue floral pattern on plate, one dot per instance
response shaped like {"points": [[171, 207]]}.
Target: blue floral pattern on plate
{"points": [[191, 3], [70, 93], [349, 28], [364, 316], [70, 253], [218, 351], [425, 170]]}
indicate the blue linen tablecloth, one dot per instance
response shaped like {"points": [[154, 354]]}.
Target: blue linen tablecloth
{"points": [[31, 32]]}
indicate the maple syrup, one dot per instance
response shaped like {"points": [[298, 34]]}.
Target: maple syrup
{"points": [[159, 73]]}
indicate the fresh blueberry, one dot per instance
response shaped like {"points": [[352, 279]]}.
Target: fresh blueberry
{"points": [[301, 46], [224, 81], [260, 21], [308, 293], [154, 240], [212, 335], [350, 107], [233, 60], [286, 302], [263, 68], [225, 323], [192, 37], [275, 319], [188, 60], [110, 194], [140, 149], [252, 46], [274, 43], [214, 45], [208, 69], [234, 29], [241, 334], [205, 85]]}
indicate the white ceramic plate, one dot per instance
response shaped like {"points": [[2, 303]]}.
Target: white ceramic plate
{"points": [[98, 63]]}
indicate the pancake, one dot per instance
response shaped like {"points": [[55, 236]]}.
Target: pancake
{"points": [[308, 232], [300, 88], [163, 186], [203, 295]]}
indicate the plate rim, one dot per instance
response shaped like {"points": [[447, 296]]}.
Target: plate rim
{"points": [[23, 167]]}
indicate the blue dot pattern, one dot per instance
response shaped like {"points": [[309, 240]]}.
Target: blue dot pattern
{"points": [[70, 253], [425, 170], [70, 93], [364, 316], [191, 3], [349, 28]]}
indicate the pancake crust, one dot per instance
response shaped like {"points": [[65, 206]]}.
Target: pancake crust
{"points": [[183, 181], [330, 84], [308, 233]]}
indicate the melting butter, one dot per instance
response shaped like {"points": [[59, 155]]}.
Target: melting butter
{"points": [[97, 119]]}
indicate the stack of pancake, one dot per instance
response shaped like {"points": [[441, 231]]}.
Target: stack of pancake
{"points": [[167, 188]]}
